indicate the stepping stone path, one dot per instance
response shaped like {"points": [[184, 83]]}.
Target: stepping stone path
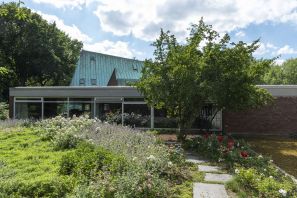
{"points": [[213, 174]]}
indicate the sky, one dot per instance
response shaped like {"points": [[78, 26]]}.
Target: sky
{"points": [[128, 27]]}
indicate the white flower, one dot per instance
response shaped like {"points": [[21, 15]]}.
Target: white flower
{"points": [[170, 164], [264, 169], [260, 156], [237, 171], [270, 176], [270, 161], [283, 192], [151, 157], [134, 158]]}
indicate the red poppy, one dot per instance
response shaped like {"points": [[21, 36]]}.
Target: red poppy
{"points": [[230, 143], [220, 138], [244, 154]]}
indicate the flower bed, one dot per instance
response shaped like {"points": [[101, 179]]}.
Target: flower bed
{"points": [[255, 173], [114, 161]]}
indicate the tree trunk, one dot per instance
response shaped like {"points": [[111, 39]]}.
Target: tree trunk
{"points": [[181, 133]]}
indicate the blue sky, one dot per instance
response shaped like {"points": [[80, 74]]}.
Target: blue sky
{"points": [[128, 27]]}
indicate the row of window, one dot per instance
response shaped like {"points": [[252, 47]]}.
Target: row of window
{"points": [[82, 81]]}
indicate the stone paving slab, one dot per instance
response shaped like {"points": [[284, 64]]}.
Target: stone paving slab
{"points": [[202, 190], [205, 168], [195, 159], [213, 177]]}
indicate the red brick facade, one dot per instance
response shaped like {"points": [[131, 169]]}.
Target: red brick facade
{"points": [[280, 118]]}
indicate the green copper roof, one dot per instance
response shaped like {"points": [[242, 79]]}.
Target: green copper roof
{"points": [[95, 69]]}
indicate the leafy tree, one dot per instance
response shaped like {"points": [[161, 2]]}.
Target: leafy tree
{"points": [[37, 53], [275, 76], [206, 69], [282, 74]]}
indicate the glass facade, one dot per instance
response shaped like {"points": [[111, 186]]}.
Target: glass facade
{"points": [[132, 112], [137, 115], [111, 112], [28, 110]]}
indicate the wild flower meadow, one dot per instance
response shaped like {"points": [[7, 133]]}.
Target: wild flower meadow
{"points": [[121, 162]]}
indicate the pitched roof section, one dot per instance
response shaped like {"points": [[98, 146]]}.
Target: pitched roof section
{"points": [[95, 69]]}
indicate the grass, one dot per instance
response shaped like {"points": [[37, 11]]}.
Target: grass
{"points": [[283, 151], [28, 162]]}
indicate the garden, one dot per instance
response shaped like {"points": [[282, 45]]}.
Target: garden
{"points": [[255, 175], [82, 157]]}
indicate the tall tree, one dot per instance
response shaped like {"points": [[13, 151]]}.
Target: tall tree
{"points": [[37, 52], [206, 69]]}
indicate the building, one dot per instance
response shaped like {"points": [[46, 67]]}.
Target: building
{"points": [[100, 88]]}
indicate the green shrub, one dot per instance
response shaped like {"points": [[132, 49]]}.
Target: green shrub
{"points": [[265, 186], [39, 187], [65, 133], [3, 111], [88, 160]]}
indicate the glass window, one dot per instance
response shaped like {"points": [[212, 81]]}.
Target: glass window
{"points": [[137, 115], [26, 98], [81, 99], [55, 109], [28, 110], [79, 109], [162, 120], [54, 99], [110, 112], [133, 99]]}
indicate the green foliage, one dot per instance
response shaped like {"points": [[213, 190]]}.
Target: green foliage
{"points": [[88, 160], [182, 77], [28, 166], [285, 73], [65, 133], [34, 51], [3, 111], [263, 185]]}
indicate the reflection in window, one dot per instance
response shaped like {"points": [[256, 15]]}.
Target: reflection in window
{"points": [[28, 110], [110, 112], [80, 108], [137, 115], [162, 120], [55, 109]]}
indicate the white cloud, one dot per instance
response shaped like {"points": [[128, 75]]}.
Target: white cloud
{"points": [[72, 30], [286, 50], [263, 49], [240, 34], [117, 48], [66, 3], [279, 61], [144, 18]]}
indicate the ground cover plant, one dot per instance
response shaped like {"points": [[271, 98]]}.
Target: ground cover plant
{"points": [[82, 157], [255, 175]]}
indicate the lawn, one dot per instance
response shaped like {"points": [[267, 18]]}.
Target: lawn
{"points": [[282, 150], [27, 163]]}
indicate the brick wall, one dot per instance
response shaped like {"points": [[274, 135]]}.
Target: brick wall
{"points": [[11, 106], [276, 119]]}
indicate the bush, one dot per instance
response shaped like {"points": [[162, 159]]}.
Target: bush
{"points": [[39, 187], [265, 186], [88, 160], [3, 111], [65, 133]]}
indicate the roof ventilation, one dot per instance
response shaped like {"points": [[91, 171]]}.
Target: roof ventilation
{"points": [[134, 67], [93, 81], [92, 58], [82, 81]]}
